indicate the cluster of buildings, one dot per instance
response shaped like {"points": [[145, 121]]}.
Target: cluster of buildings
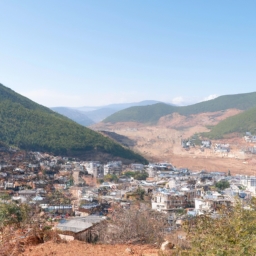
{"points": [[222, 148], [69, 189], [249, 137]]}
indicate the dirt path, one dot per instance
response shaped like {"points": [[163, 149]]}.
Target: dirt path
{"points": [[77, 248]]}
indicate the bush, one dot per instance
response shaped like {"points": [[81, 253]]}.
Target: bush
{"points": [[134, 225]]}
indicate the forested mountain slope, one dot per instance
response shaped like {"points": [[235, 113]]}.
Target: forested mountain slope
{"points": [[241, 123], [30, 126], [151, 114]]}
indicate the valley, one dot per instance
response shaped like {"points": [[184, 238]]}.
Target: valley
{"points": [[162, 142]]}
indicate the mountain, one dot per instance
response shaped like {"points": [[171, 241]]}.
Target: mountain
{"points": [[30, 126], [99, 114], [119, 106], [75, 115], [240, 123], [89, 115], [151, 114]]}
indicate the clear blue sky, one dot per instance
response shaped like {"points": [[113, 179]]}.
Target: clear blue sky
{"points": [[80, 53]]}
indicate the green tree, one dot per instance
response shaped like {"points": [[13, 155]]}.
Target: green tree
{"points": [[222, 184], [137, 175], [13, 214], [129, 174], [232, 233], [110, 177], [141, 176], [141, 192]]}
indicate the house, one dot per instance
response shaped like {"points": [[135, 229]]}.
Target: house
{"points": [[250, 138], [81, 228], [137, 167], [167, 199], [92, 168], [206, 143], [152, 172], [27, 193], [113, 168], [186, 143], [211, 202], [250, 183], [222, 148], [8, 185], [18, 170]]}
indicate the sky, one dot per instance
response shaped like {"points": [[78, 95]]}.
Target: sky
{"points": [[90, 52]]}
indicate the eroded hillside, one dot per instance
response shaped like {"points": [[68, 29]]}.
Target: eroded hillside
{"points": [[162, 142]]}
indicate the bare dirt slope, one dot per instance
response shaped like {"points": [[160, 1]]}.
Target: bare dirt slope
{"points": [[77, 248], [176, 120], [162, 142]]}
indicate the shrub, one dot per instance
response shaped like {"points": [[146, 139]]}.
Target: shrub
{"points": [[232, 233], [134, 225]]}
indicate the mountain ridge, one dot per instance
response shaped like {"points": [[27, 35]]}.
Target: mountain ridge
{"points": [[75, 115], [98, 113], [151, 114], [120, 106]]}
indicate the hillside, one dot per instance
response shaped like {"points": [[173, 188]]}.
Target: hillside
{"points": [[30, 126], [240, 123], [75, 115], [151, 114], [123, 140], [144, 114]]}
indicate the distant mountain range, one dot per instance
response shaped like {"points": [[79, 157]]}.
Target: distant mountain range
{"points": [[119, 106], [30, 126], [75, 115], [88, 115], [151, 114]]}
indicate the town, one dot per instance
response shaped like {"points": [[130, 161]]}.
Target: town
{"points": [[74, 196]]}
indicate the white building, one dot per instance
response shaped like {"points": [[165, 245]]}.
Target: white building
{"points": [[113, 168], [92, 168], [211, 202], [164, 199], [250, 183], [137, 167]]}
